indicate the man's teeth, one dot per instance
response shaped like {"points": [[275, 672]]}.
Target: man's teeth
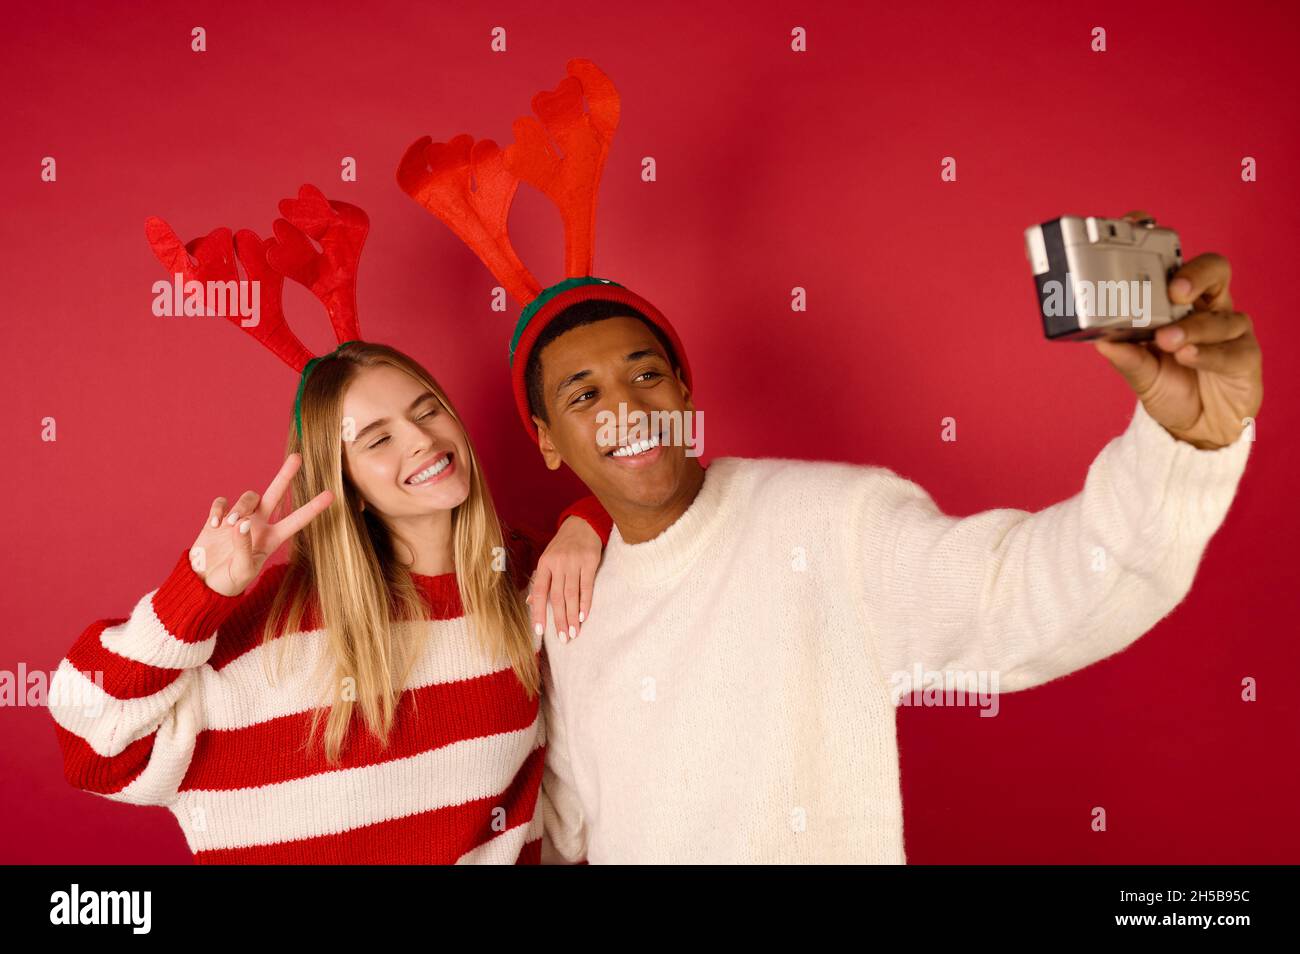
{"points": [[636, 447], [428, 472]]}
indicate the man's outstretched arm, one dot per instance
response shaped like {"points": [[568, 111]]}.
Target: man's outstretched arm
{"points": [[1035, 596]]}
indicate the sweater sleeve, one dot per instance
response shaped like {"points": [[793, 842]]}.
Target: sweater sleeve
{"points": [[564, 837], [1029, 597], [126, 698], [526, 544], [590, 510]]}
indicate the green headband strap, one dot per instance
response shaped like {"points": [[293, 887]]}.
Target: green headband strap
{"points": [[545, 295], [302, 382]]}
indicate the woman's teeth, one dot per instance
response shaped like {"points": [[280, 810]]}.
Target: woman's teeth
{"points": [[430, 472], [636, 447]]}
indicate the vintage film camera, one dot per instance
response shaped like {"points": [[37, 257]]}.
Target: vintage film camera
{"points": [[1103, 278]]}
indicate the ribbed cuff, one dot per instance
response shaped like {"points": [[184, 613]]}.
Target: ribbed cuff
{"points": [[1199, 485], [590, 510], [187, 607]]}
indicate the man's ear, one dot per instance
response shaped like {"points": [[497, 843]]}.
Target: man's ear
{"points": [[686, 391], [547, 446]]}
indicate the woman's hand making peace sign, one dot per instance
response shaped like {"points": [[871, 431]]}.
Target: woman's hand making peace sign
{"points": [[235, 543]]}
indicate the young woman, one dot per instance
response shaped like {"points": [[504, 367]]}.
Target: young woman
{"points": [[375, 698]]}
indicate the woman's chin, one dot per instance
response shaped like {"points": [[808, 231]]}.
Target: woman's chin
{"points": [[447, 496]]}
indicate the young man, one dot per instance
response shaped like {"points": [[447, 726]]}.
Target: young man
{"points": [[732, 697]]}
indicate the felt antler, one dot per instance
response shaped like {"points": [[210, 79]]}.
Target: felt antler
{"points": [[466, 185], [470, 185], [330, 274], [571, 181], [212, 258]]}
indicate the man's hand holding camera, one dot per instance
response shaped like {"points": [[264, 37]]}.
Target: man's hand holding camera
{"points": [[1201, 377]]}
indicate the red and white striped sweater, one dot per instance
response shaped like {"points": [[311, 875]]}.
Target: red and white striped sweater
{"points": [[186, 718]]}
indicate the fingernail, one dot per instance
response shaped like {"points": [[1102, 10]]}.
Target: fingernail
{"points": [[1174, 337], [1189, 351], [216, 521], [1180, 287], [538, 629], [573, 631], [234, 515], [582, 616], [243, 527], [564, 637]]}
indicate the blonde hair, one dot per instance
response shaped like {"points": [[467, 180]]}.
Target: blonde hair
{"points": [[346, 559]]}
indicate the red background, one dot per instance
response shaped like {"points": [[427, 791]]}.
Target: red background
{"points": [[776, 169]]}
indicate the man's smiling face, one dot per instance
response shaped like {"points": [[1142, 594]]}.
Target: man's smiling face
{"points": [[594, 368]]}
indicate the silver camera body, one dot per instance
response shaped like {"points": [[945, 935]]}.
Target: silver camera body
{"points": [[1104, 278]]}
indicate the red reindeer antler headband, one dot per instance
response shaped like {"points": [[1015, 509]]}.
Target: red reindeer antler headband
{"points": [[470, 186], [330, 274]]}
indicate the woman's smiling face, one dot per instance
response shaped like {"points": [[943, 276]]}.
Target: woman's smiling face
{"points": [[403, 451]]}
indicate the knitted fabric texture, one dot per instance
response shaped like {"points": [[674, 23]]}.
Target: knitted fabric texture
{"points": [[732, 696], [184, 717]]}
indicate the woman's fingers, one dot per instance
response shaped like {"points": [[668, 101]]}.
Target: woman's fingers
{"points": [[586, 583], [243, 566], [537, 598], [286, 528], [558, 608], [245, 505], [279, 484], [572, 605]]}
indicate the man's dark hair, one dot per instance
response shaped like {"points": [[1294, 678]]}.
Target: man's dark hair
{"points": [[575, 316]]}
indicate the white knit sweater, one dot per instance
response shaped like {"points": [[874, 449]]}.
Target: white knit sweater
{"points": [[732, 697]]}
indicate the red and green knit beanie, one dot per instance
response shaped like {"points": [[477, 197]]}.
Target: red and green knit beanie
{"points": [[470, 185]]}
